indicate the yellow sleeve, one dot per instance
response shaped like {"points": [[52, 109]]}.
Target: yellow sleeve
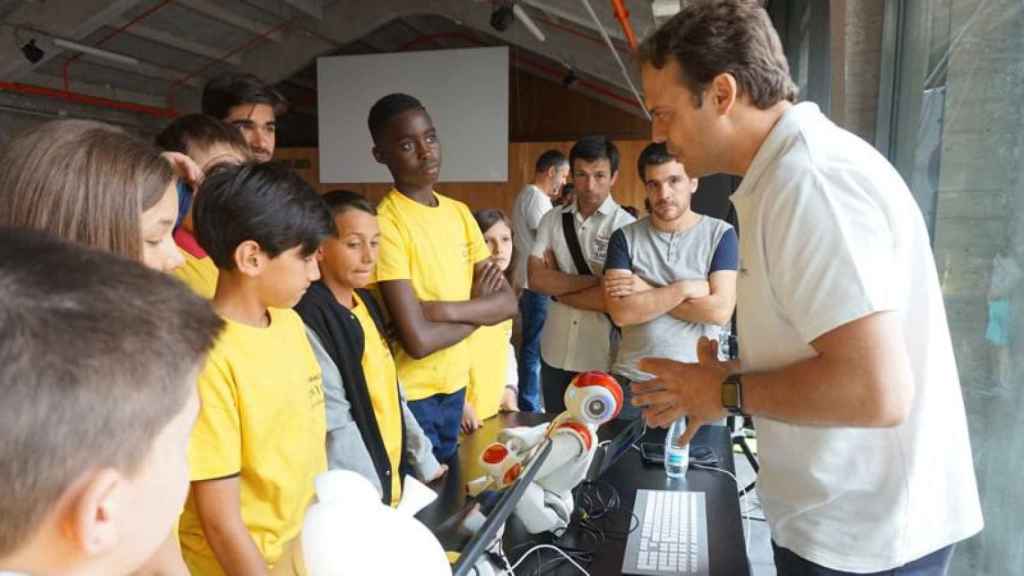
{"points": [[478, 250], [393, 259], [215, 447]]}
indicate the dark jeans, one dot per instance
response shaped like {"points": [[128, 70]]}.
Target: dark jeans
{"points": [[628, 411], [533, 309], [935, 564], [440, 417], [554, 381]]}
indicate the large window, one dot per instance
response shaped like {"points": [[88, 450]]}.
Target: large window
{"points": [[951, 118]]}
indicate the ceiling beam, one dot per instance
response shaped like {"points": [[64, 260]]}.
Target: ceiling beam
{"points": [[172, 40], [146, 69], [578, 18], [313, 8], [231, 18], [73, 21], [346, 22]]}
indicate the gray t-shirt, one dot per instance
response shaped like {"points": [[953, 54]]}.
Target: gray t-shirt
{"points": [[661, 258]]}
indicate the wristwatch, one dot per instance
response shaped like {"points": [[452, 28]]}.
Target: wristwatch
{"points": [[732, 394]]}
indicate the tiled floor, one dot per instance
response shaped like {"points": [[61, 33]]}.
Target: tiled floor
{"points": [[759, 547]]}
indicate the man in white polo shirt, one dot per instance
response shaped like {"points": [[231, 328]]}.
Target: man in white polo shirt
{"points": [[577, 334], [846, 361]]}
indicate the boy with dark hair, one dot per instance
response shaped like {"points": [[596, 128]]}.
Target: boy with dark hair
{"points": [[259, 440], [434, 271], [208, 142], [246, 102], [532, 203], [370, 429], [97, 375], [567, 262]]}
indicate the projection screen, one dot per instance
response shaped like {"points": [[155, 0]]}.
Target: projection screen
{"points": [[465, 91]]}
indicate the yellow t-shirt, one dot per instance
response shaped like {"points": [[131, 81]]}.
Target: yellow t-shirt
{"points": [[381, 378], [435, 248], [489, 372], [262, 418], [200, 274]]}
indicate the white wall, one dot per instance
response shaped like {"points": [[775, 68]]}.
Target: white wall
{"points": [[465, 92]]}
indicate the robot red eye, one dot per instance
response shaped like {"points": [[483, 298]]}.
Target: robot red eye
{"points": [[513, 473], [494, 453], [594, 397]]}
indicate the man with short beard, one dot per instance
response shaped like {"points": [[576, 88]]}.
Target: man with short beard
{"points": [[670, 278]]}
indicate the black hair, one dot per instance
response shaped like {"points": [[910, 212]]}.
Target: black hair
{"points": [[655, 154], [266, 203], [387, 108], [341, 201], [199, 131], [593, 148], [550, 159], [224, 93]]}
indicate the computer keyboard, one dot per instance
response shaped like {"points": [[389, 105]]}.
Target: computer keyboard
{"points": [[672, 537]]}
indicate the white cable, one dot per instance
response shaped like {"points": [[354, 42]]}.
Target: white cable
{"points": [[528, 22], [743, 503], [615, 53], [549, 546]]}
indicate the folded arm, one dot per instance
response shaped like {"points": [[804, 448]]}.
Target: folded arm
{"points": [[642, 302], [419, 336], [492, 301], [714, 308], [548, 280]]}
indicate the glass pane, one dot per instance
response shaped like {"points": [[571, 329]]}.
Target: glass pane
{"points": [[960, 134]]}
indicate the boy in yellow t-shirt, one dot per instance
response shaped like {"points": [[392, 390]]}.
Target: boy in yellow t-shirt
{"points": [[493, 378], [434, 272], [208, 142], [258, 443]]}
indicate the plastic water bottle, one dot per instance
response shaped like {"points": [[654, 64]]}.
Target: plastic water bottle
{"points": [[677, 458]]}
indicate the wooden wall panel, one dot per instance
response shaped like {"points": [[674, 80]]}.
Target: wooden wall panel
{"points": [[628, 189], [543, 110]]}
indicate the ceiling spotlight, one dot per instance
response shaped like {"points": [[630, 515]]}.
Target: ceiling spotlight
{"points": [[570, 78], [502, 17], [32, 52]]}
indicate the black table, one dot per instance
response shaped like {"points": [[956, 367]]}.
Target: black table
{"points": [[726, 550]]}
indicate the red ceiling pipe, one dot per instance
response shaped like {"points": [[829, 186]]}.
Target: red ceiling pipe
{"points": [[136, 20], [622, 15], [86, 99]]}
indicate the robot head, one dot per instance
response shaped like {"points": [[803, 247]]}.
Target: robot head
{"points": [[593, 398]]}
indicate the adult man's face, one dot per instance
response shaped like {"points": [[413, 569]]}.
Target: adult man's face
{"points": [[555, 178], [688, 130], [593, 181], [259, 127], [669, 190]]}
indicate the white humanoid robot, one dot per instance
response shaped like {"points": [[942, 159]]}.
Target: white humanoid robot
{"points": [[592, 399], [348, 531]]}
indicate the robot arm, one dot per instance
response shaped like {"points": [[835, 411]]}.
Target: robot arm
{"points": [[591, 399]]}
